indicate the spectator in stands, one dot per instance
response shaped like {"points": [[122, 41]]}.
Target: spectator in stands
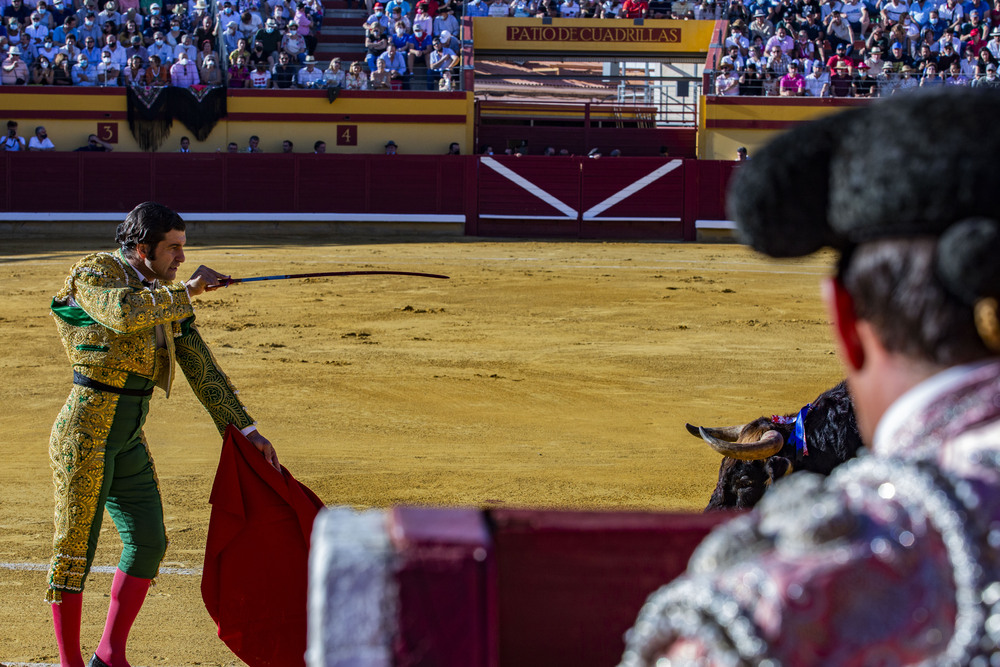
{"points": [[378, 16], [994, 42], [209, 73], [269, 37], [62, 71], [990, 80], [841, 84], [838, 30], [183, 73], [258, 55], [449, 41], [761, 26], [447, 82], [157, 74], [65, 30], [751, 81], [161, 49], [333, 75], [41, 141], [355, 79], [239, 74], [41, 72], [309, 76], [738, 39], [16, 10], [136, 49], [231, 39], [782, 40], [187, 47], [518, 9], [395, 63], [636, 9], [129, 32], [90, 50], [95, 145], [47, 48], [185, 145], [287, 146], [110, 15], [920, 11], [440, 60], [498, 8], [283, 74], [684, 10], [36, 29], [60, 11], [250, 24], [792, 84], [319, 148], [376, 43], [108, 70], [135, 73], [955, 77], [735, 59], [205, 32], [381, 78], [898, 57], [423, 18], [227, 17], [838, 58], [294, 44], [931, 78], [445, 20], [232, 147], [400, 38], [905, 80], [205, 53], [90, 29], [397, 19], [419, 47], [11, 141], [951, 13], [777, 64], [391, 147], [476, 8], [817, 83], [985, 60], [14, 71], [253, 145], [260, 76], [727, 83], [864, 84], [968, 64]]}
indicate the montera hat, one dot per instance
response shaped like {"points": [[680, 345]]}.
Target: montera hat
{"points": [[873, 175]]}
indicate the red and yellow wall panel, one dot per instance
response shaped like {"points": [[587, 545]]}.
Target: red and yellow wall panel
{"points": [[356, 122], [726, 123]]}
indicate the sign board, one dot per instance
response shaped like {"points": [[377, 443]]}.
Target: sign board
{"points": [[592, 35]]}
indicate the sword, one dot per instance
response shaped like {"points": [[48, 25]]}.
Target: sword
{"points": [[327, 274]]}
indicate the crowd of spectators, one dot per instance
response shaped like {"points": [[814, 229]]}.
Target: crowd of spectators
{"points": [[857, 48], [409, 47]]}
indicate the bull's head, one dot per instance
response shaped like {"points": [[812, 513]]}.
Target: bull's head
{"points": [[752, 461]]}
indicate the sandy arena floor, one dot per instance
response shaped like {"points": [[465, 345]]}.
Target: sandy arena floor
{"points": [[544, 374]]}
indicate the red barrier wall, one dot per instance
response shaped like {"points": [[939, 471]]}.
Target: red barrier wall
{"points": [[567, 197]]}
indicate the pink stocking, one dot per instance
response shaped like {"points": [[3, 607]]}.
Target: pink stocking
{"points": [[66, 620], [127, 596]]}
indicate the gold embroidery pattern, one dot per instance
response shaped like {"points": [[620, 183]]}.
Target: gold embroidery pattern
{"points": [[123, 337], [210, 384], [76, 453]]}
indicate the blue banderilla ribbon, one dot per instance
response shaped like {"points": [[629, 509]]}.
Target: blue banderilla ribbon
{"points": [[798, 437]]}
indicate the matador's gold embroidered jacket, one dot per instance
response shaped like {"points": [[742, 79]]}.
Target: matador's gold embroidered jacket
{"points": [[107, 321]]}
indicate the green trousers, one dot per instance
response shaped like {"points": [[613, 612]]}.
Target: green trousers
{"points": [[100, 459]]}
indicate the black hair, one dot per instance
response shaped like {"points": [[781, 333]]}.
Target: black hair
{"points": [[147, 223]]}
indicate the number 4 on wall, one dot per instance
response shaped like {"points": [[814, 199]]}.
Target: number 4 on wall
{"points": [[347, 135]]}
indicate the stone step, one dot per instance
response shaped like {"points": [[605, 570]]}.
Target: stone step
{"points": [[345, 38]]}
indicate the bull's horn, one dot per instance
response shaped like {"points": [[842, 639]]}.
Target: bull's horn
{"points": [[769, 444], [727, 433]]}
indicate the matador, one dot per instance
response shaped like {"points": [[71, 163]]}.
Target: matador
{"points": [[124, 319]]}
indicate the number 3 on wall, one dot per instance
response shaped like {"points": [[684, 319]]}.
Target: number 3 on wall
{"points": [[108, 132], [347, 135]]}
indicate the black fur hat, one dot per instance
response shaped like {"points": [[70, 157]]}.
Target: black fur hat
{"points": [[922, 163]]}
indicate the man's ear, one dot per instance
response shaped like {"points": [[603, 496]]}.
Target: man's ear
{"points": [[142, 250], [840, 308]]}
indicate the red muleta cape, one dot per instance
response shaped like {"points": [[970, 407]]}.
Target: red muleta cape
{"points": [[257, 556]]}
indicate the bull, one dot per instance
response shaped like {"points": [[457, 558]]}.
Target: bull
{"points": [[818, 438]]}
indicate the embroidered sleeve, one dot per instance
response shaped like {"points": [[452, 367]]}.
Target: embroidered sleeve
{"points": [[100, 286], [210, 384], [875, 564]]}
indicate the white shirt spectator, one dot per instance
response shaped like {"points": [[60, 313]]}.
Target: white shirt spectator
{"points": [[118, 55], [569, 9], [447, 22], [498, 8], [306, 78], [260, 79], [817, 82], [189, 49], [44, 145]]}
